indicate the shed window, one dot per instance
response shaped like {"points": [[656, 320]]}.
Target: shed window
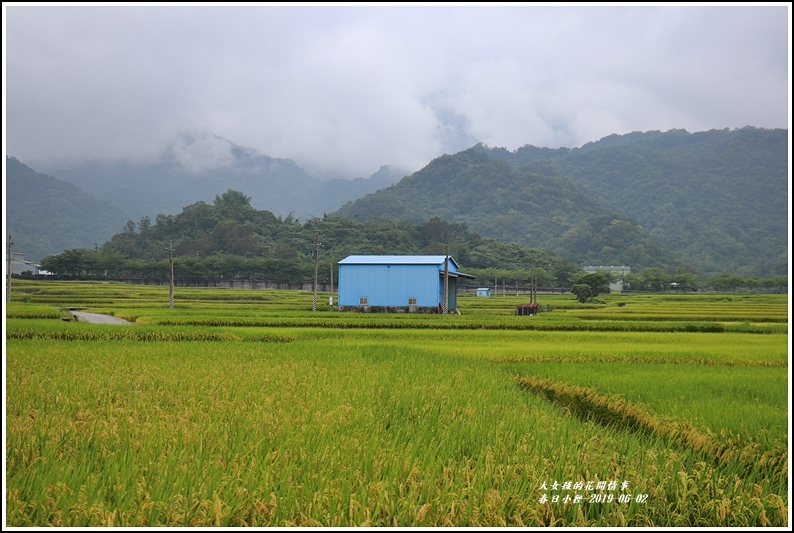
{"points": [[411, 301], [362, 300]]}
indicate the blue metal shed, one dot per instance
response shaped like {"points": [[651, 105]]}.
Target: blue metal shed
{"points": [[397, 283]]}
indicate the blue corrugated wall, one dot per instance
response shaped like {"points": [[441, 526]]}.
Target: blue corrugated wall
{"points": [[391, 285]]}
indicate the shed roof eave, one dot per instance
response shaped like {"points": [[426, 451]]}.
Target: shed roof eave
{"points": [[457, 275], [397, 260]]}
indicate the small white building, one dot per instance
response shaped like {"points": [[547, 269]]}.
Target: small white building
{"points": [[19, 266], [483, 291]]}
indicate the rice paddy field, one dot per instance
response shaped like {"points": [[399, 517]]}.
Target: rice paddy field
{"points": [[247, 408]]}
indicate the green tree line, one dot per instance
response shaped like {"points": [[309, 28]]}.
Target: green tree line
{"points": [[229, 239]]}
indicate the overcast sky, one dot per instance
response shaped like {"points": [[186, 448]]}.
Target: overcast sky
{"points": [[348, 88]]}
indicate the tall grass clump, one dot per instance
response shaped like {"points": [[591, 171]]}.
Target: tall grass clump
{"points": [[768, 463]]}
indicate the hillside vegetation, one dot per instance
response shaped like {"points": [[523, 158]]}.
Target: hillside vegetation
{"points": [[230, 239], [45, 214], [716, 200], [515, 205], [706, 204]]}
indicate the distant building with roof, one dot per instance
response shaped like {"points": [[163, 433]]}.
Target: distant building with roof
{"points": [[398, 283], [617, 273], [20, 266]]}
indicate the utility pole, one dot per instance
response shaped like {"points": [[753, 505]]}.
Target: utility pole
{"points": [[532, 288], [445, 306], [170, 277], [8, 268], [531, 278], [316, 259]]}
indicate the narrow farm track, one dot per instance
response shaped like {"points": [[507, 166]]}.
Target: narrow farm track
{"points": [[96, 318]]}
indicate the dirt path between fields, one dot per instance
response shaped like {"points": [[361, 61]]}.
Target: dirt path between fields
{"points": [[96, 318]]}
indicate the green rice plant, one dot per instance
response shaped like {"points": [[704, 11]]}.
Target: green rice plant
{"points": [[25, 310], [768, 461], [336, 431], [513, 348], [420, 323], [58, 331], [290, 417]]}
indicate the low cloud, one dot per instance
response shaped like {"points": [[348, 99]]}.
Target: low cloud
{"points": [[348, 89]]}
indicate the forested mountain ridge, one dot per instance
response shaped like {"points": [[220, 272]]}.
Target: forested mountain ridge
{"points": [[719, 197], [716, 200], [709, 202], [513, 204], [45, 214]]}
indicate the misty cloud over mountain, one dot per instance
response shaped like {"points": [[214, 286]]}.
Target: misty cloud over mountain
{"points": [[197, 166]]}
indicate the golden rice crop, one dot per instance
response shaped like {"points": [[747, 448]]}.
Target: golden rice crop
{"points": [[238, 409], [615, 411]]}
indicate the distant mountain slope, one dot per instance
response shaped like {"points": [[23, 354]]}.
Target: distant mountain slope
{"points": [[720, 198], [45, 215], [717, 201], [197, 167], [515, 205]]}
